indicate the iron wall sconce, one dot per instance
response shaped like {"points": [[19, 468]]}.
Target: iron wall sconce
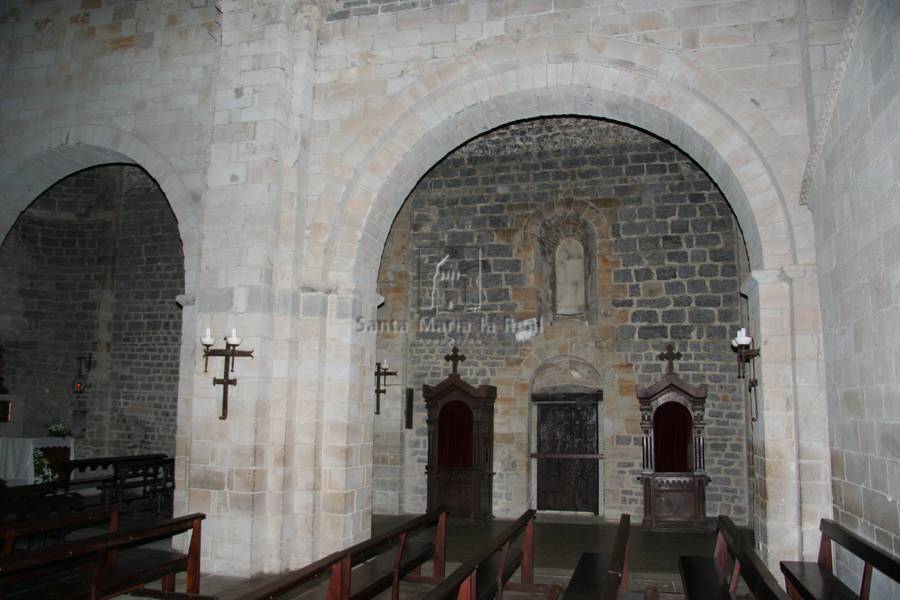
{"points": [[79, 385], [746, 354], [229, 353], [381, 374]]}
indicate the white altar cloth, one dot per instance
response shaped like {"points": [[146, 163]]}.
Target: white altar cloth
{"points": [[16, 460]]}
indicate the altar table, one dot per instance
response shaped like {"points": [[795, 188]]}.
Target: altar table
{"points": [[17, 460]]}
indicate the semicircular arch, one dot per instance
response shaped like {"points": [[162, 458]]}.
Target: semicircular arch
{"points": [[675, 100], [32, 164]]}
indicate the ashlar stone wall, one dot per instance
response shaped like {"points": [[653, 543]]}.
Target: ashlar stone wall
{"points": [[854, 199], [666, 261]]}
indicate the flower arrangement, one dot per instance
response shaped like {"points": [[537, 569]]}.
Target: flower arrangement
{"points": [[59, 429], [42, 471]]}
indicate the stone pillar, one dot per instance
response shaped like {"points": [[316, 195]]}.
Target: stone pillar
{"points": [[252, 245], [790, 437], [345, 512], [813, 453]]}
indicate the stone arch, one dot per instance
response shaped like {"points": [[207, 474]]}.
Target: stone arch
{"points": [[581, 373], [590, 76], [31, 164], [34, 163]]}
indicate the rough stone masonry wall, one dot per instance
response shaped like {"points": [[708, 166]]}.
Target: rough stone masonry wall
{"points": [[96, 263], [857, 217], [675, 244], [57, 257]]}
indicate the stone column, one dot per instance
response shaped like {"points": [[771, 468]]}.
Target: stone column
{"points": [[345, 512], [253, 227], [790, 437]]}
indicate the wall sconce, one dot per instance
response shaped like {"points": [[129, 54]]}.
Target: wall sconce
{"points": [[229, 353], [79, 386], [381, 373], [746, 353]]}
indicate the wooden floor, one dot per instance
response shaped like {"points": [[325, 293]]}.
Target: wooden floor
{"points": [[559, 542]]}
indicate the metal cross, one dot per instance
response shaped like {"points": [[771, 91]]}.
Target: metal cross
{"points": [[455, 357], [671, 356]]}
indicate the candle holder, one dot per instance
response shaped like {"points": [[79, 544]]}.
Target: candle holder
{"points": [[380, 375], [746, 354], [229, 353]]}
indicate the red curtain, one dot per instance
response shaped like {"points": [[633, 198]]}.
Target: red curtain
{"points": [[455, 435], [672, 425]]}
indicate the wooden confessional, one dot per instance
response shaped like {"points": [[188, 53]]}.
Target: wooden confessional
{"points": [[460, 445], [673, 475]]}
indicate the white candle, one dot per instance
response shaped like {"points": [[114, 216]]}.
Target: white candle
{"points": [[207, 333], [234, 333]]}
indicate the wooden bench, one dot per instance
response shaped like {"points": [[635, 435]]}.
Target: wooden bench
{"points": [[87, 474], [370, 567], [141, 485], [105, 566], [38, 531], [816, 580], [717, 578], [599, 575], [43, 500], [488, 572]]}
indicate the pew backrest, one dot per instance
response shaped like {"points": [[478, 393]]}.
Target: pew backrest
{"points": [[105, 464], [340, 565], [617, 576], [746, 563], [101, 553], [12, 532], [493, 564]]}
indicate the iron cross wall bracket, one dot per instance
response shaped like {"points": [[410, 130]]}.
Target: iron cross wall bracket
{"points": [[381, 375], [229, 353]]}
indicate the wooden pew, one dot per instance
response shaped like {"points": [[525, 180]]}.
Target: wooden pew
{"points": [[97, 471], [598, 576], [717, 578], [141, 484], [487, 573], [816, 580], [105, 566], [368, 568], [56, 527], [43, 500]]}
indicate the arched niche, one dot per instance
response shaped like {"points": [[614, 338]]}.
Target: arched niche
{"points": [[567, 251], [569, 268]]}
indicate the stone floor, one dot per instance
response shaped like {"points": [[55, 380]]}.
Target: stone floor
{"points": [[559, 541]]}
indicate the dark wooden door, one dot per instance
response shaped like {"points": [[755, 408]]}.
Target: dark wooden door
{"points": [[568, 462]]}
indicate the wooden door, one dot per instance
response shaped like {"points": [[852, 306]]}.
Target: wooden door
{"points": [[568, 459]]}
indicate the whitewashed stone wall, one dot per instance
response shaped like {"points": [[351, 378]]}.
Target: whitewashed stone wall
{"points": [[854, 198]]}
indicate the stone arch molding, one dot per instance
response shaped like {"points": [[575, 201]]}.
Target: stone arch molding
{"points": [[372, 172], [31, 164]]}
